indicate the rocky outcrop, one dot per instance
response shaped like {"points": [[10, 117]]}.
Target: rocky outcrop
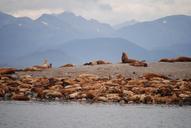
{"points": [[149, 88], [178, 59], [132, 62]]}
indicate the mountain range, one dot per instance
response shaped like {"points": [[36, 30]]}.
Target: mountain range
{"points": [[68, 38], [125, 24], [160, 33]]}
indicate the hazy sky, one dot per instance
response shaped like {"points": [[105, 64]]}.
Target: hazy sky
{"points": [[109, 11]]}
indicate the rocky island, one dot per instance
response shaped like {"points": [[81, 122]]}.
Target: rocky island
{"points": [[131, 81]]}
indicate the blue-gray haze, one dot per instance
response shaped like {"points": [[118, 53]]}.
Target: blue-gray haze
{"points": [[67, 38]]}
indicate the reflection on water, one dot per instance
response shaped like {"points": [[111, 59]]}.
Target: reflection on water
{"points": [[75, 115]]}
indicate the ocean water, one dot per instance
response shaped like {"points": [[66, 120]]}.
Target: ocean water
{"points": [[75, 115]]}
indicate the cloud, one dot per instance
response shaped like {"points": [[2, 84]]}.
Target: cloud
{"points": [[146, 9], [36, 13], [110, 11]]}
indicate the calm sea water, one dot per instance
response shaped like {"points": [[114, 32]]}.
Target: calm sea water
{"points": [[75, 115]]}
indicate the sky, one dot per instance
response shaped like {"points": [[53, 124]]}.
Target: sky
{"points": [[108, 11]]}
